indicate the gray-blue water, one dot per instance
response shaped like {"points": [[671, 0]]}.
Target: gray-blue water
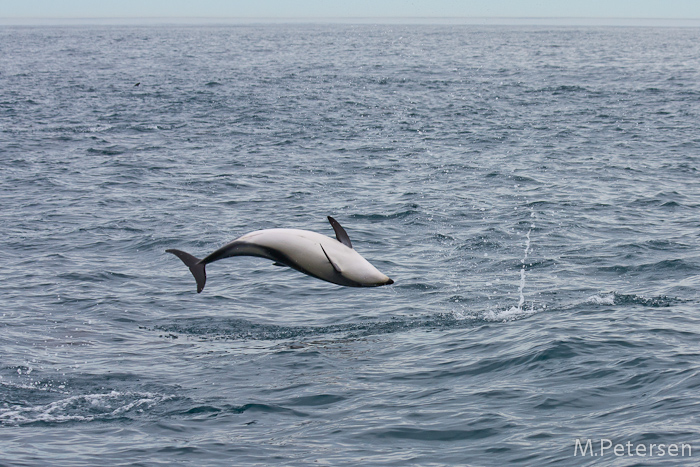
{"points": [[533, 191]]}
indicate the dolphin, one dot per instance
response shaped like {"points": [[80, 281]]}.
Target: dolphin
{"points": [[319, 256]]}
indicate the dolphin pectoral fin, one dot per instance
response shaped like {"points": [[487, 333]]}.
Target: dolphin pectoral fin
{"points": [[340, 234], [196, 268], [280, 265], [335, 266]]}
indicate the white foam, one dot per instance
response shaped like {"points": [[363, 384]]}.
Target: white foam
{"points": [[80, 408], [510, 314], [602, 299]]}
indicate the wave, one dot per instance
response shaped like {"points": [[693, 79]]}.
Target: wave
{"points": [[215, 328], [53, 406], [667, 265], [81, 408], [114, 150], [614, 298], [241, 329], [211, 411], [426, 434]]}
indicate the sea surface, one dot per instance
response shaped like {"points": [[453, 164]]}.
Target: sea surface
{"points": [[533, 191]]}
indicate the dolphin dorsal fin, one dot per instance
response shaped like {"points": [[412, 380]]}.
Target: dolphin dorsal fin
{"points": [[335, 265], [340, 234]]}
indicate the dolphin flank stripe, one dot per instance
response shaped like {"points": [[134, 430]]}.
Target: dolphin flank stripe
{"points": [[314, 254]]}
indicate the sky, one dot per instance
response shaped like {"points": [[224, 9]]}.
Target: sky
{"points": [[300, 9]]}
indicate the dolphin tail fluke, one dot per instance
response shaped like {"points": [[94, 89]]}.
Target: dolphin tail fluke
{"points": [[197, 269]]}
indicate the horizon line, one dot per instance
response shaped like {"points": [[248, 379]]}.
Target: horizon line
{"points": [[351, 17], [478, 20]]}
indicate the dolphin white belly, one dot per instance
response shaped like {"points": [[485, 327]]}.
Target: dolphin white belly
{"points": [[332, 260]]}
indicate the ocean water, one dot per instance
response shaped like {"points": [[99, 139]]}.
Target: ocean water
{"points": [[534, 192]]}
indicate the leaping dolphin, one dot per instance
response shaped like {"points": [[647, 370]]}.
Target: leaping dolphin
{"points": [[309, 252]]}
